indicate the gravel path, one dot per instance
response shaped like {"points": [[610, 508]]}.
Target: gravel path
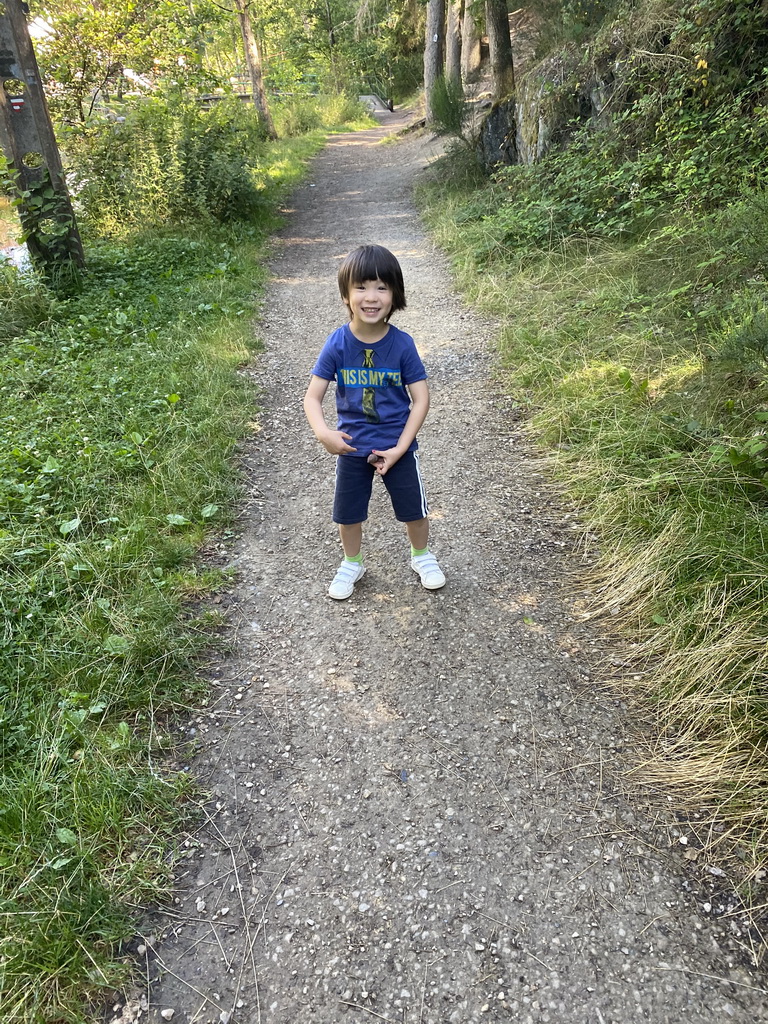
{"points": [[417, 813]]}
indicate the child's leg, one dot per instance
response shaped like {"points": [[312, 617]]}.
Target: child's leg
{"points": [[351, 538], [354, 478], [354, 481], [418, 533], [406, 489]]}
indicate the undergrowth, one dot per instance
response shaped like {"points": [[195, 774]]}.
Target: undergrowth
{"points": [[644, 367], [120, 410]]}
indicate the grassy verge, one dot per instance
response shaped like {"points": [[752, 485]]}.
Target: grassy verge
{"points": [[643, 369], [119, 413]]}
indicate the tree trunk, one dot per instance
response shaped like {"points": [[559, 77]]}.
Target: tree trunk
{"points": [[332, 45], [433, 52], [470, 44], [253, 63], [500, 48], [453, 42]]}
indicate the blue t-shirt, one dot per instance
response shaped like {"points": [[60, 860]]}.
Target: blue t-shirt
{"points": [[371, 397]]}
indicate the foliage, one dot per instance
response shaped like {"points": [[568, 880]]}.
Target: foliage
{"points": [[93, 44], [644, 364], [48, 226], [688, 126], [373, 46], [24, 303], [568, 22], [332, 47], [302, 115], [171, 162], [166, 162], [120, 410], [450, 110]]}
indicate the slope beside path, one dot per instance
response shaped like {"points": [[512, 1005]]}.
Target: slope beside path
{"points": [[418, 813]]}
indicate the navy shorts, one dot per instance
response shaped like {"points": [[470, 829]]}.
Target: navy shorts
{"points": [[354, 480]]}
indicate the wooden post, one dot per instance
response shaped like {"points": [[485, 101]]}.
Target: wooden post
{"points": [[29, 145]]}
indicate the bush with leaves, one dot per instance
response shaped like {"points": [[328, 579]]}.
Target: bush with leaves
{"points": [[166, 162], [685, 127]]}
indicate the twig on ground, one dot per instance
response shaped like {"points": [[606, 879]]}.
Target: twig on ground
{"points": [[714, 977], [357, 1006], [661, 917], [459, 881], [163, 966], [224, 956], [572, 768]]}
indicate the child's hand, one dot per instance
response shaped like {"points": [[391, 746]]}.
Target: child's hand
{"points": [[382, 461], [335, 442]]}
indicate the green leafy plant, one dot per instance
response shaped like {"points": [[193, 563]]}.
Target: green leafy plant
{"points": [[167, 162]]}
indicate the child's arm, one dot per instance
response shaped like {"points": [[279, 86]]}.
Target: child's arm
{"points": [[334, 441], [419, 392]]}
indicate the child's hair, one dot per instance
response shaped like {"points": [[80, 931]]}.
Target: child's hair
{"points": [[369, 263]]}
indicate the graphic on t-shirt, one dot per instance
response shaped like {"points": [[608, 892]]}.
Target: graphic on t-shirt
{"points": [[369, 394], [365, 377]]}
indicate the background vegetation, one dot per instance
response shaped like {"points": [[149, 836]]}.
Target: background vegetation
{"points": [[97, 55], [629, 269]]}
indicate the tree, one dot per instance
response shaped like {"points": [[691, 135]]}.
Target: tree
{"points": [[32, 166], [433, 52], [470, 42], [253, 63], [86, 47], [453, 41], [500, 48]]}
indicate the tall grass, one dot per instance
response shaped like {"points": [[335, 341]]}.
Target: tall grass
{"points": [[643, 367]]}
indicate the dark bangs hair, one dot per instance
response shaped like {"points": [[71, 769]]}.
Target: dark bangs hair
{"points": [[369, 263]]}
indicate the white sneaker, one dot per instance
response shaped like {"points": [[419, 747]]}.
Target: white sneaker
{"points": [[426, 566], [345, 579]]}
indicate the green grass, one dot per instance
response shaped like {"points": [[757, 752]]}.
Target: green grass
{"points": [[643, 369], [120, 412]]}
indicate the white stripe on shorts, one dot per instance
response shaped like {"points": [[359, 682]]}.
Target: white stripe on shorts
{"points": [[422, 491]]}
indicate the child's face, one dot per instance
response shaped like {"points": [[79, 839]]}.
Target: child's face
{"points": [[369, 302]]}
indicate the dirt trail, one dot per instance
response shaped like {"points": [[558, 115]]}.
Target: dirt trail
{"points": [[416, 814]]}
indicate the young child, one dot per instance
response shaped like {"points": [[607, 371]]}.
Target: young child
{"points": [[382, 400]]}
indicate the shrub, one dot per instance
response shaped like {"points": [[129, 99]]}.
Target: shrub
{"points": [[166, 162], [341, 108], [296, 115], [450, 110]]}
